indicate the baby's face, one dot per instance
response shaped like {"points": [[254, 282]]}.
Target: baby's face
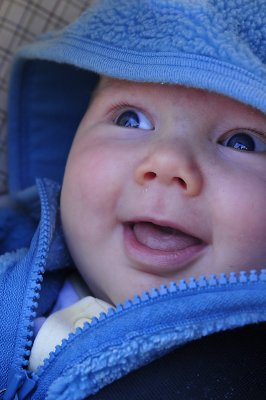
{"points": [[163, 183]]}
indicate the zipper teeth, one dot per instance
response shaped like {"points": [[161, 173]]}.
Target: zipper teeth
{"points": [[37, 278], [173, 288]]}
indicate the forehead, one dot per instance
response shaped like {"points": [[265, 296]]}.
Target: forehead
{"points": [[112, 87]]}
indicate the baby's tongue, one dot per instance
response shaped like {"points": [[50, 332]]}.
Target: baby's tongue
{"points": [[162, 238]]}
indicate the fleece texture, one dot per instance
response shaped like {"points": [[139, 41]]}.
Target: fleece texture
{"points": [[218, 45], [224, 30]]}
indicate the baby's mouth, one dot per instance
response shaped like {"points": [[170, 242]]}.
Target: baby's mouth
{"points": [[160, 249], [164, 238]]}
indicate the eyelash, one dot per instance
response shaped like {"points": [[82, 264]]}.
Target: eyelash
{"points": [[250, 131], [257, 140], [119, 108]]}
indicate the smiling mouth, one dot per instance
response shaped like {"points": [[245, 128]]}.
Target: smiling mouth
{"points": [[160, 247], [164, 238]]}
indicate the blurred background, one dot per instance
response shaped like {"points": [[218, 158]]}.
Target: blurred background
{"points": [[20, 22]]}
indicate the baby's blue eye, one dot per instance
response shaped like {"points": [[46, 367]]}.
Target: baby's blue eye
{"points": [[245, 141], [241, 141], [133, 119]]}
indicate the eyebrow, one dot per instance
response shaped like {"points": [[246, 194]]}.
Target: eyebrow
{"points": [[103, 84]]}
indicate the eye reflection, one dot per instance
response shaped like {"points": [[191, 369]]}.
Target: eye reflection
{"points": [[248, 141], [133, 119], [241, 142]]}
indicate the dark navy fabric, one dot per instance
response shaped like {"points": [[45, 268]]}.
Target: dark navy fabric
{"points": [[227, 365], [16, 229], [41, 125]]}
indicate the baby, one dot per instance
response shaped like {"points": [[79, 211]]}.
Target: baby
{"points": [[161, 184], [166, 176]]}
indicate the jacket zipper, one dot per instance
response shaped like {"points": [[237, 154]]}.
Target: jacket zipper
{"points": [[181, 289], [20, 383], [24, 383]]}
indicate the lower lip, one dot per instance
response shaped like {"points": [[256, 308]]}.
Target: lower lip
{"points": [[158, 261]]}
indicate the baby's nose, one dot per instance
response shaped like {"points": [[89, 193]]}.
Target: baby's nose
{"points": [[171, 166]]}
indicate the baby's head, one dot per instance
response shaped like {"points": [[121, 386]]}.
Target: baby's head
{"points": [[164, 182]]}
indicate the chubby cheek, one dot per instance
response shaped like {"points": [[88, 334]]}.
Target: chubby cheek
{"points": [[240, 217], [94, 178]]}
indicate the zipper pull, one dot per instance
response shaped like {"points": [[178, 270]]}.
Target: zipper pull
{"points": [[19, 387]]}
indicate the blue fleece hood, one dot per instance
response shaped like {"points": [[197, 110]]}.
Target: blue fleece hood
{"points": [[218, 45]]}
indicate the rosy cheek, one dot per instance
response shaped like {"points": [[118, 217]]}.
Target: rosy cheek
{"points": [[93, 178], [247, 221], [239, 208]]}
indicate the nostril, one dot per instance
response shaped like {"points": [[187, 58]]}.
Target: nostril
{"points": [[150, 175], [181, 182]]}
